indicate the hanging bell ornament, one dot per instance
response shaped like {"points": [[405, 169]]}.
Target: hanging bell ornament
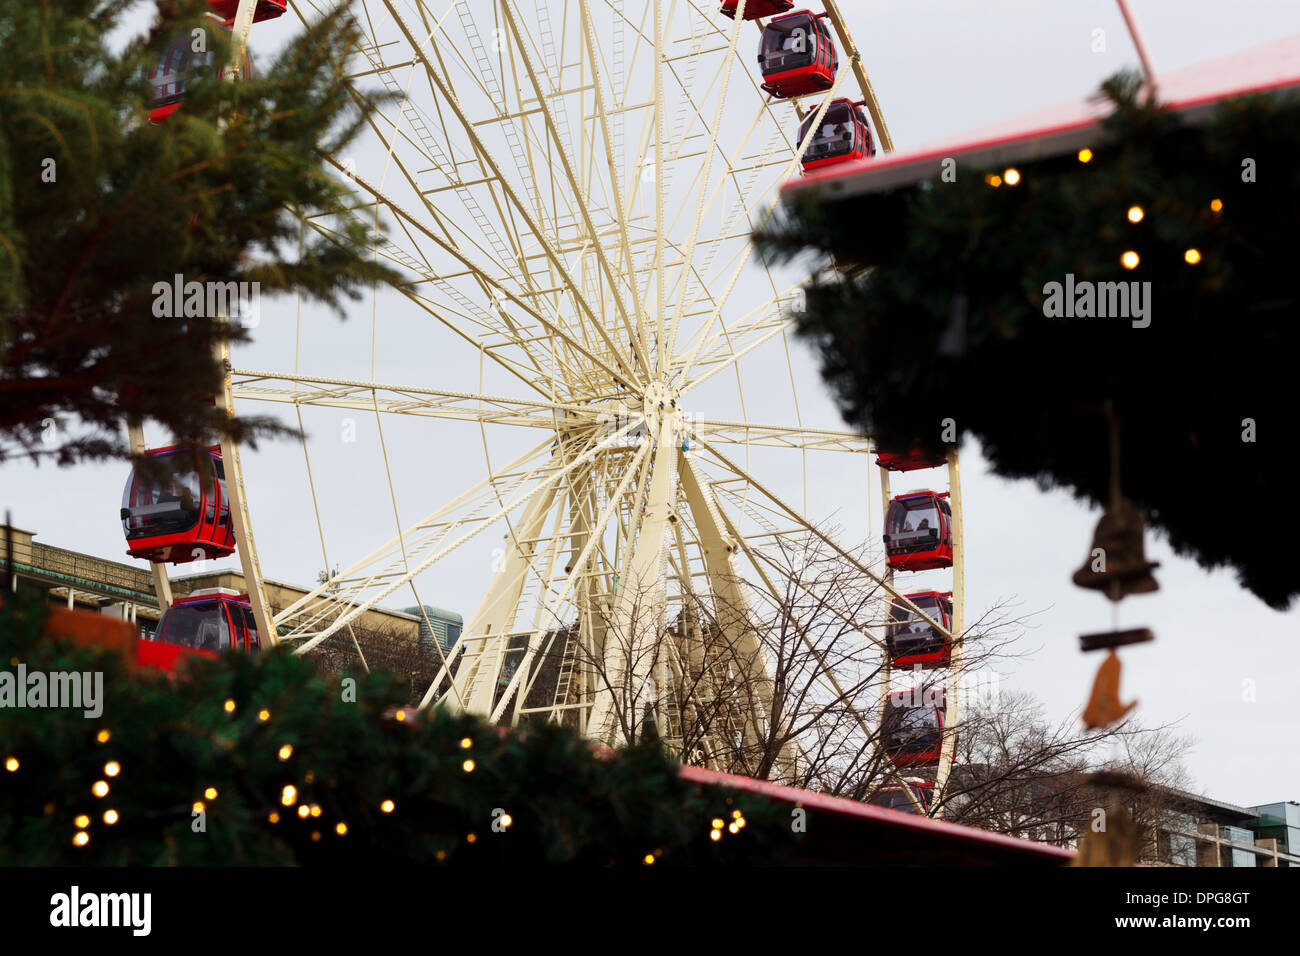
{"points": [[1117, 564]]}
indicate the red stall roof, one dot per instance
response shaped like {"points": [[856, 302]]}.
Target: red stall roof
{"points": [[841, 831], [1195, 91]]}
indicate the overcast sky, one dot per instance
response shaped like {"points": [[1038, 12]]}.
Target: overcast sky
{"points": [[939, 67]]}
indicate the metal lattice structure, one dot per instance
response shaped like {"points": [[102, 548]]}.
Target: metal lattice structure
{"points": [[569, 188]]}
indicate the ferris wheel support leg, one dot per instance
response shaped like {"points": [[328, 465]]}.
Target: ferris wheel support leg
{"points": [[162, 586], [734, 616], [489, 628], [952, 701], [638, 616], [239, 519]]}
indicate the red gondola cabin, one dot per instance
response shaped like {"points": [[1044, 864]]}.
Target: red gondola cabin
{"points": [[913, 727], [205, 624], [910, 460], [265, 9], [911, 641], [893, 797], [844, 135], [183, 517], [180, 65], [797, 55], [918, 531], [756, 8]]}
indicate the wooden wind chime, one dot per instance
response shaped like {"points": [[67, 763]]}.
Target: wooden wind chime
{"points": [[1117, 566]]}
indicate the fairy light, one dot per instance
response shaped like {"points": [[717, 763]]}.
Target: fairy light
{"points": [[732, 828], [1135, 213], [110, 817], [100, 788], [273, 817], [1216, 205], [1085, 155], [315, 809], [289, 795], [1130, 260], [471, 838], [388, 806], [507, 819], [341, 829], [1011, 176], [82, 838], [112, 768], [230, 706], [717, 823], [103, 736], [315, 836], [263, 715], [648, 859], [11, 764], [210, 793], [82, 821], [304, 811], [715, 835], [468, 766], [400, 715], [993, 179], [1192, 256], [198, 806], [466, 743], [286, 752]]}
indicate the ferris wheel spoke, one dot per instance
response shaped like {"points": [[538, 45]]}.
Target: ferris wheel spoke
{"points": [[418, 547], [539, 234], [807, 528], [298, 389], [550, 325]]}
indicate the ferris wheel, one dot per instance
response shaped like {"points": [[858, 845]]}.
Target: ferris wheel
{"points": [[568, 189]]}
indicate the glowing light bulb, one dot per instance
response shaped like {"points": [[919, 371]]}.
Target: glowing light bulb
{"points": [[1085, 155], [112, 768], [110, 817], [1130, 260], [288, 795], [467, 766], [100, 789], [1192, 256], [1011, 176], [1135, 213], [388, 806], [286, 752]]}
